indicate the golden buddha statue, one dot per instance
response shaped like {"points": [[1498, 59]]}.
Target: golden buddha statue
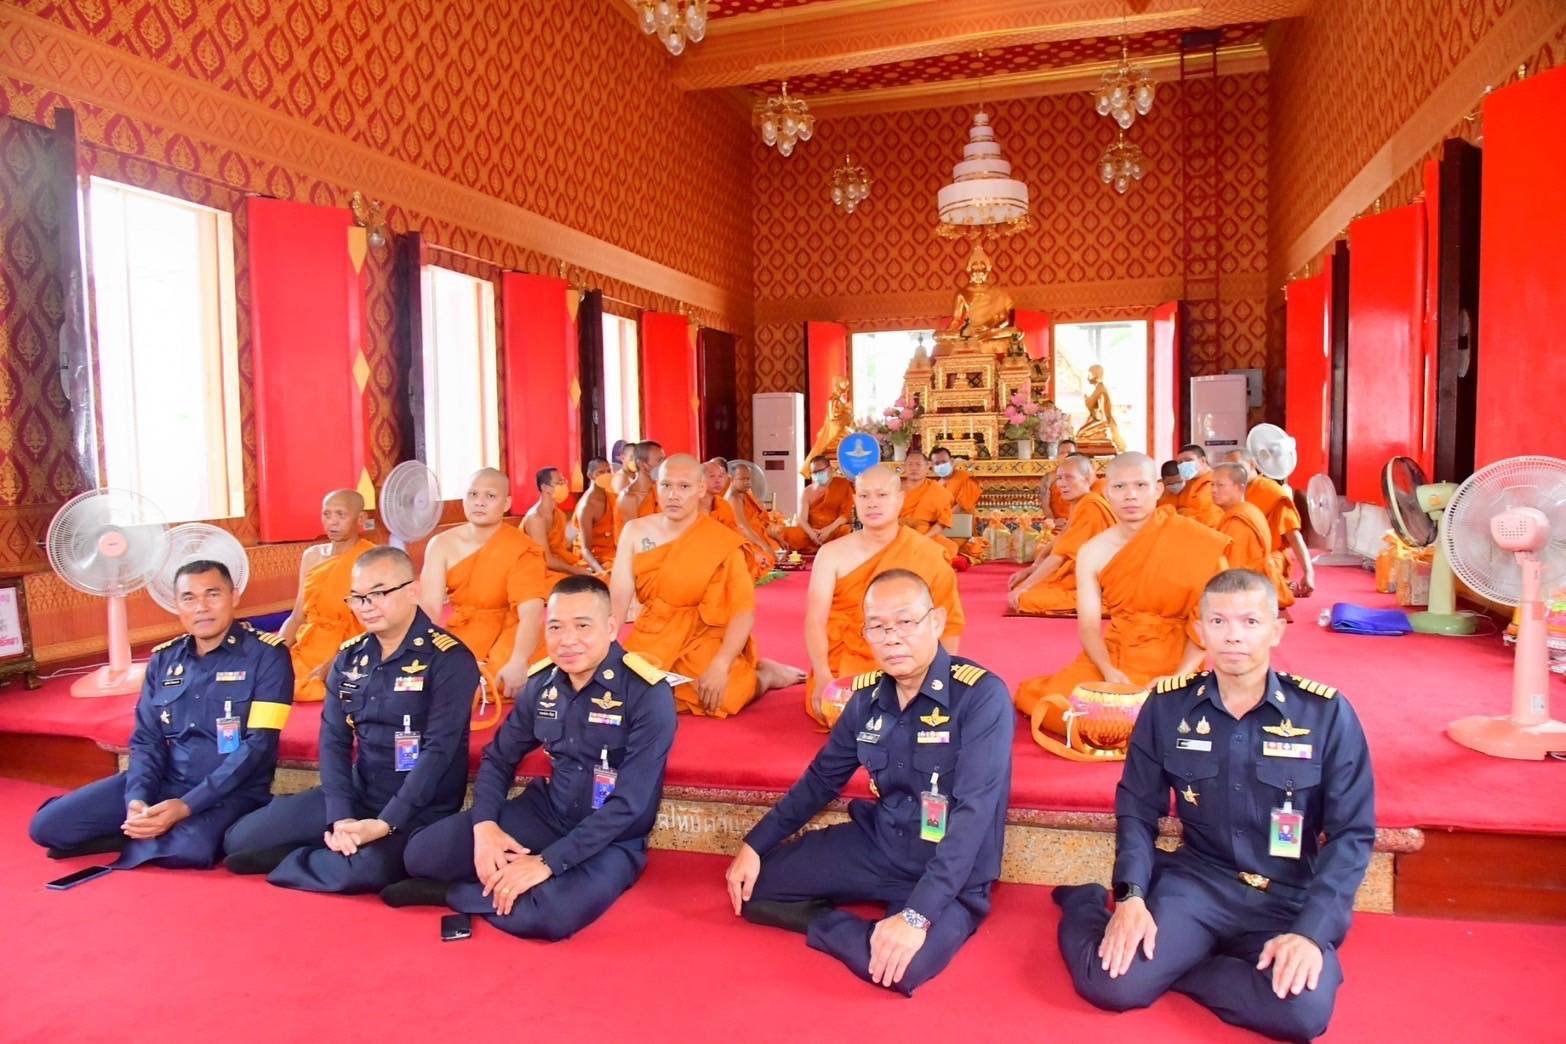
{"points": [[839, 422], [981, 317], [1099, 434]]}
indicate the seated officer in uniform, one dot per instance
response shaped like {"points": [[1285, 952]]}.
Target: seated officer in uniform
{"points": [[1247, 915], [550, 862], [935, 733], [205, 743], [402, 690]]}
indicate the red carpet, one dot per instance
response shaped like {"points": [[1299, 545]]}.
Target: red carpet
{"points": [[1405, 690], [202, 956]]}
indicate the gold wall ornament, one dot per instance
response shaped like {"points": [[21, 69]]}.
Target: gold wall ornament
{"points": [[370, 215]]}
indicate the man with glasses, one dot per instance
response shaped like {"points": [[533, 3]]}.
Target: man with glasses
{"points": [[204, 746], [394, 747], [934, 733]]}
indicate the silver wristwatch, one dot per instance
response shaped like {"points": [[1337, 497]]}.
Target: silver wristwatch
{"points": [[915, 918]]}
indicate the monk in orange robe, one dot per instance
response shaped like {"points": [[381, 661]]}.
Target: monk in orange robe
{"points": [[927, 507], [753, 518], [1195, 500], [594, 519], [1245, 525], [623, 458], [492, 576], [640, 498], [1146, 572], [545, 525], [716, 506], [825, 512], [1049, 586], [321, 621], [1169, 472], [964, 490], [1276, 504], [697, 603], [842, 571]]}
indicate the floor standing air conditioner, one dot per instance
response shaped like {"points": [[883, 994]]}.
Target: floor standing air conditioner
{"points": [[778, 435], [1219, 413]]}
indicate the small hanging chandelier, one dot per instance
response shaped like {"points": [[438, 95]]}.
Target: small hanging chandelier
{"points": [[850, 185], [1122, 164], [784, 120], [1125, 92], [675, 21]]}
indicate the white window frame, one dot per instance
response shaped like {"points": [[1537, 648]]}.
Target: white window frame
{"points": [[622, 379], [460, 378]]}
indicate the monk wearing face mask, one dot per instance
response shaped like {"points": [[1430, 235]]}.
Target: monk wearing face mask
{"points": [[1195, 500], [594, 518], [826, 511], [545, 523]]}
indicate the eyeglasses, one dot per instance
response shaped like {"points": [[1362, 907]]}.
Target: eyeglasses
{"points": [[361, 601], [901, 628]]}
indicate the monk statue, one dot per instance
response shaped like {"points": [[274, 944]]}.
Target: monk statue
{"points": [[321, 620], [981, 316], [1099, 434], [839, 422]]}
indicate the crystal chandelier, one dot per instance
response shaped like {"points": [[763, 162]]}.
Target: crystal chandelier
{"points": [[1122, 164], [675, 21], [1125, 92], [784, 120], [850, 185]]}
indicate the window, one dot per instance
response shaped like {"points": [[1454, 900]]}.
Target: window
{"points": [[879, 359], [461, 399], [1121, 349], [168, 360], [622, 381]]}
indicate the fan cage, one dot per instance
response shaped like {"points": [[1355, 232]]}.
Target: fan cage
{"points": [[1476, 559]]}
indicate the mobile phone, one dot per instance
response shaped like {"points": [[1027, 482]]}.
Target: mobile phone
{"points": [[82, 876], [455, 926]]}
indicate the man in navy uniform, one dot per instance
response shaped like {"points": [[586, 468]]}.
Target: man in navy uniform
{"points": [[550, 862], [401, 691], [934, 732], [1247, 915], [205, 743]]}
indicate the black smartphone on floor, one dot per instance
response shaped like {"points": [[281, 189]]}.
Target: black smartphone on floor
{"points": [[455, 926], [81, 876]]}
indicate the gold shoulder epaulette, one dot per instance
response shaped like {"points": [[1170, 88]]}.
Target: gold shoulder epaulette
{"points": [[355, 640], [642, 668], [1315, 688], [165, 645], [968, 673], [1171, 684], [867, 679], [268, 637], [540, 665], [442, 641]]}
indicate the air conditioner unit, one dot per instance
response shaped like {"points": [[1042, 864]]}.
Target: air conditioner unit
{"points": [[778, 437], [1218, 413]]}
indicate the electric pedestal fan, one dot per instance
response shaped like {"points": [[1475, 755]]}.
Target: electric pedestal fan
{"points": [[108, 542], [1329, 514], [1505, 536], [1418, 510], [410, 503], [1274, 450], [195, 542]]}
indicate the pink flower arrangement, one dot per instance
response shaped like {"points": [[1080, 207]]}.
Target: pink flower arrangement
{"points": [[895, 423], [1054, 425]]}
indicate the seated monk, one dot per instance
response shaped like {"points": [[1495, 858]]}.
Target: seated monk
{"points": [[834, 602], [640, 498], [1146, 573], [545, 525], [965, 493], [753, 518], [715, 504], [1049, 586], [623, 457], [1195, 500], [698, 603], [1169, 474], [321, 620], [492, 577], [1276, 503], [1244, 524], [825, 512], [927, 507], [594, 518]]}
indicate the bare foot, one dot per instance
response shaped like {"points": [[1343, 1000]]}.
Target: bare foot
{"points": [[770, 674]]}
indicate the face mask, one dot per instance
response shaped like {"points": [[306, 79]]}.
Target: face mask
{"points": [[943, 470], [821, 478], [559, 492], [604, 481], [1188, 469], [1173, 487], [631, 466]]}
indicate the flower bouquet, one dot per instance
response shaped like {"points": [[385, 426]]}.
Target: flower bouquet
{"points": [[895, 425]]}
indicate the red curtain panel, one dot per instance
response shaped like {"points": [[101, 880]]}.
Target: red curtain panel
{"points": [[1164, 380], [543, 386], [826, 359], [671, 409], [1308, 393]]}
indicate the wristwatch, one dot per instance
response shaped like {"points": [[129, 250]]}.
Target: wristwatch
{"points": [[1126, 890], [915, 919]]}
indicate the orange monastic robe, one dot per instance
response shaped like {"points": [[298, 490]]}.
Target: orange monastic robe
{"points": [[328, 622], [763, 559], [689, 589], [722, 512], [835, 502], [649, 505], [1056, 594], [484, 591], [1059, 506], [601, 540], [1276, 503], [927, 509], [1151, 589], [964, 490], [1170, 500], [1251, 549], [1195, 501], [560, 546], [848, 652]]}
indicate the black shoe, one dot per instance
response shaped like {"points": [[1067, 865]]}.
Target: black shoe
{"points": [[258, 860], [415, 891], [97, 846], [1066, 896], [794, 917]]}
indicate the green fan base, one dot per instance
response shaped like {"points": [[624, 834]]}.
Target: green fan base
{"points": [[1453, 624]]}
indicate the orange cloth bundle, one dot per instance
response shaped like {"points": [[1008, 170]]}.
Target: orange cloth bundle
{"points": [[1386, 563]]}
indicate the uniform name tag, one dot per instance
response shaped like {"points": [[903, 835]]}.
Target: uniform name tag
{"points": [[595, 718], [408, 683], [1191, 744], [868, 737], [934, 737], [223, 676], [1276, 749], [547, 712], [172, 681]]}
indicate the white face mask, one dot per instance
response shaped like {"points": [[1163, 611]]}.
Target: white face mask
{"points": [[821, 477], [1173, 487], [1189, 469], [943, 470]]}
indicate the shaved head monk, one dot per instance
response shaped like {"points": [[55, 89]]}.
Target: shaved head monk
{"points": [[594, 518], [492, 577], [1049, 586], [715, 504], [698, 602], [321, 620], [825, 512], [752, 518], [1169, 473], [1276, 502], [640, 498], [545, 525], [927, 506], [1195, 500], [834, 603], [1146, 573], [965, 492], [1244, 524], [622, 458]]}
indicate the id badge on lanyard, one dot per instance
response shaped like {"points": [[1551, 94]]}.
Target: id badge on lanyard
{"points": [[406, 746], [603, 779], [228, 729], [1284, 838], [933, 807]]}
